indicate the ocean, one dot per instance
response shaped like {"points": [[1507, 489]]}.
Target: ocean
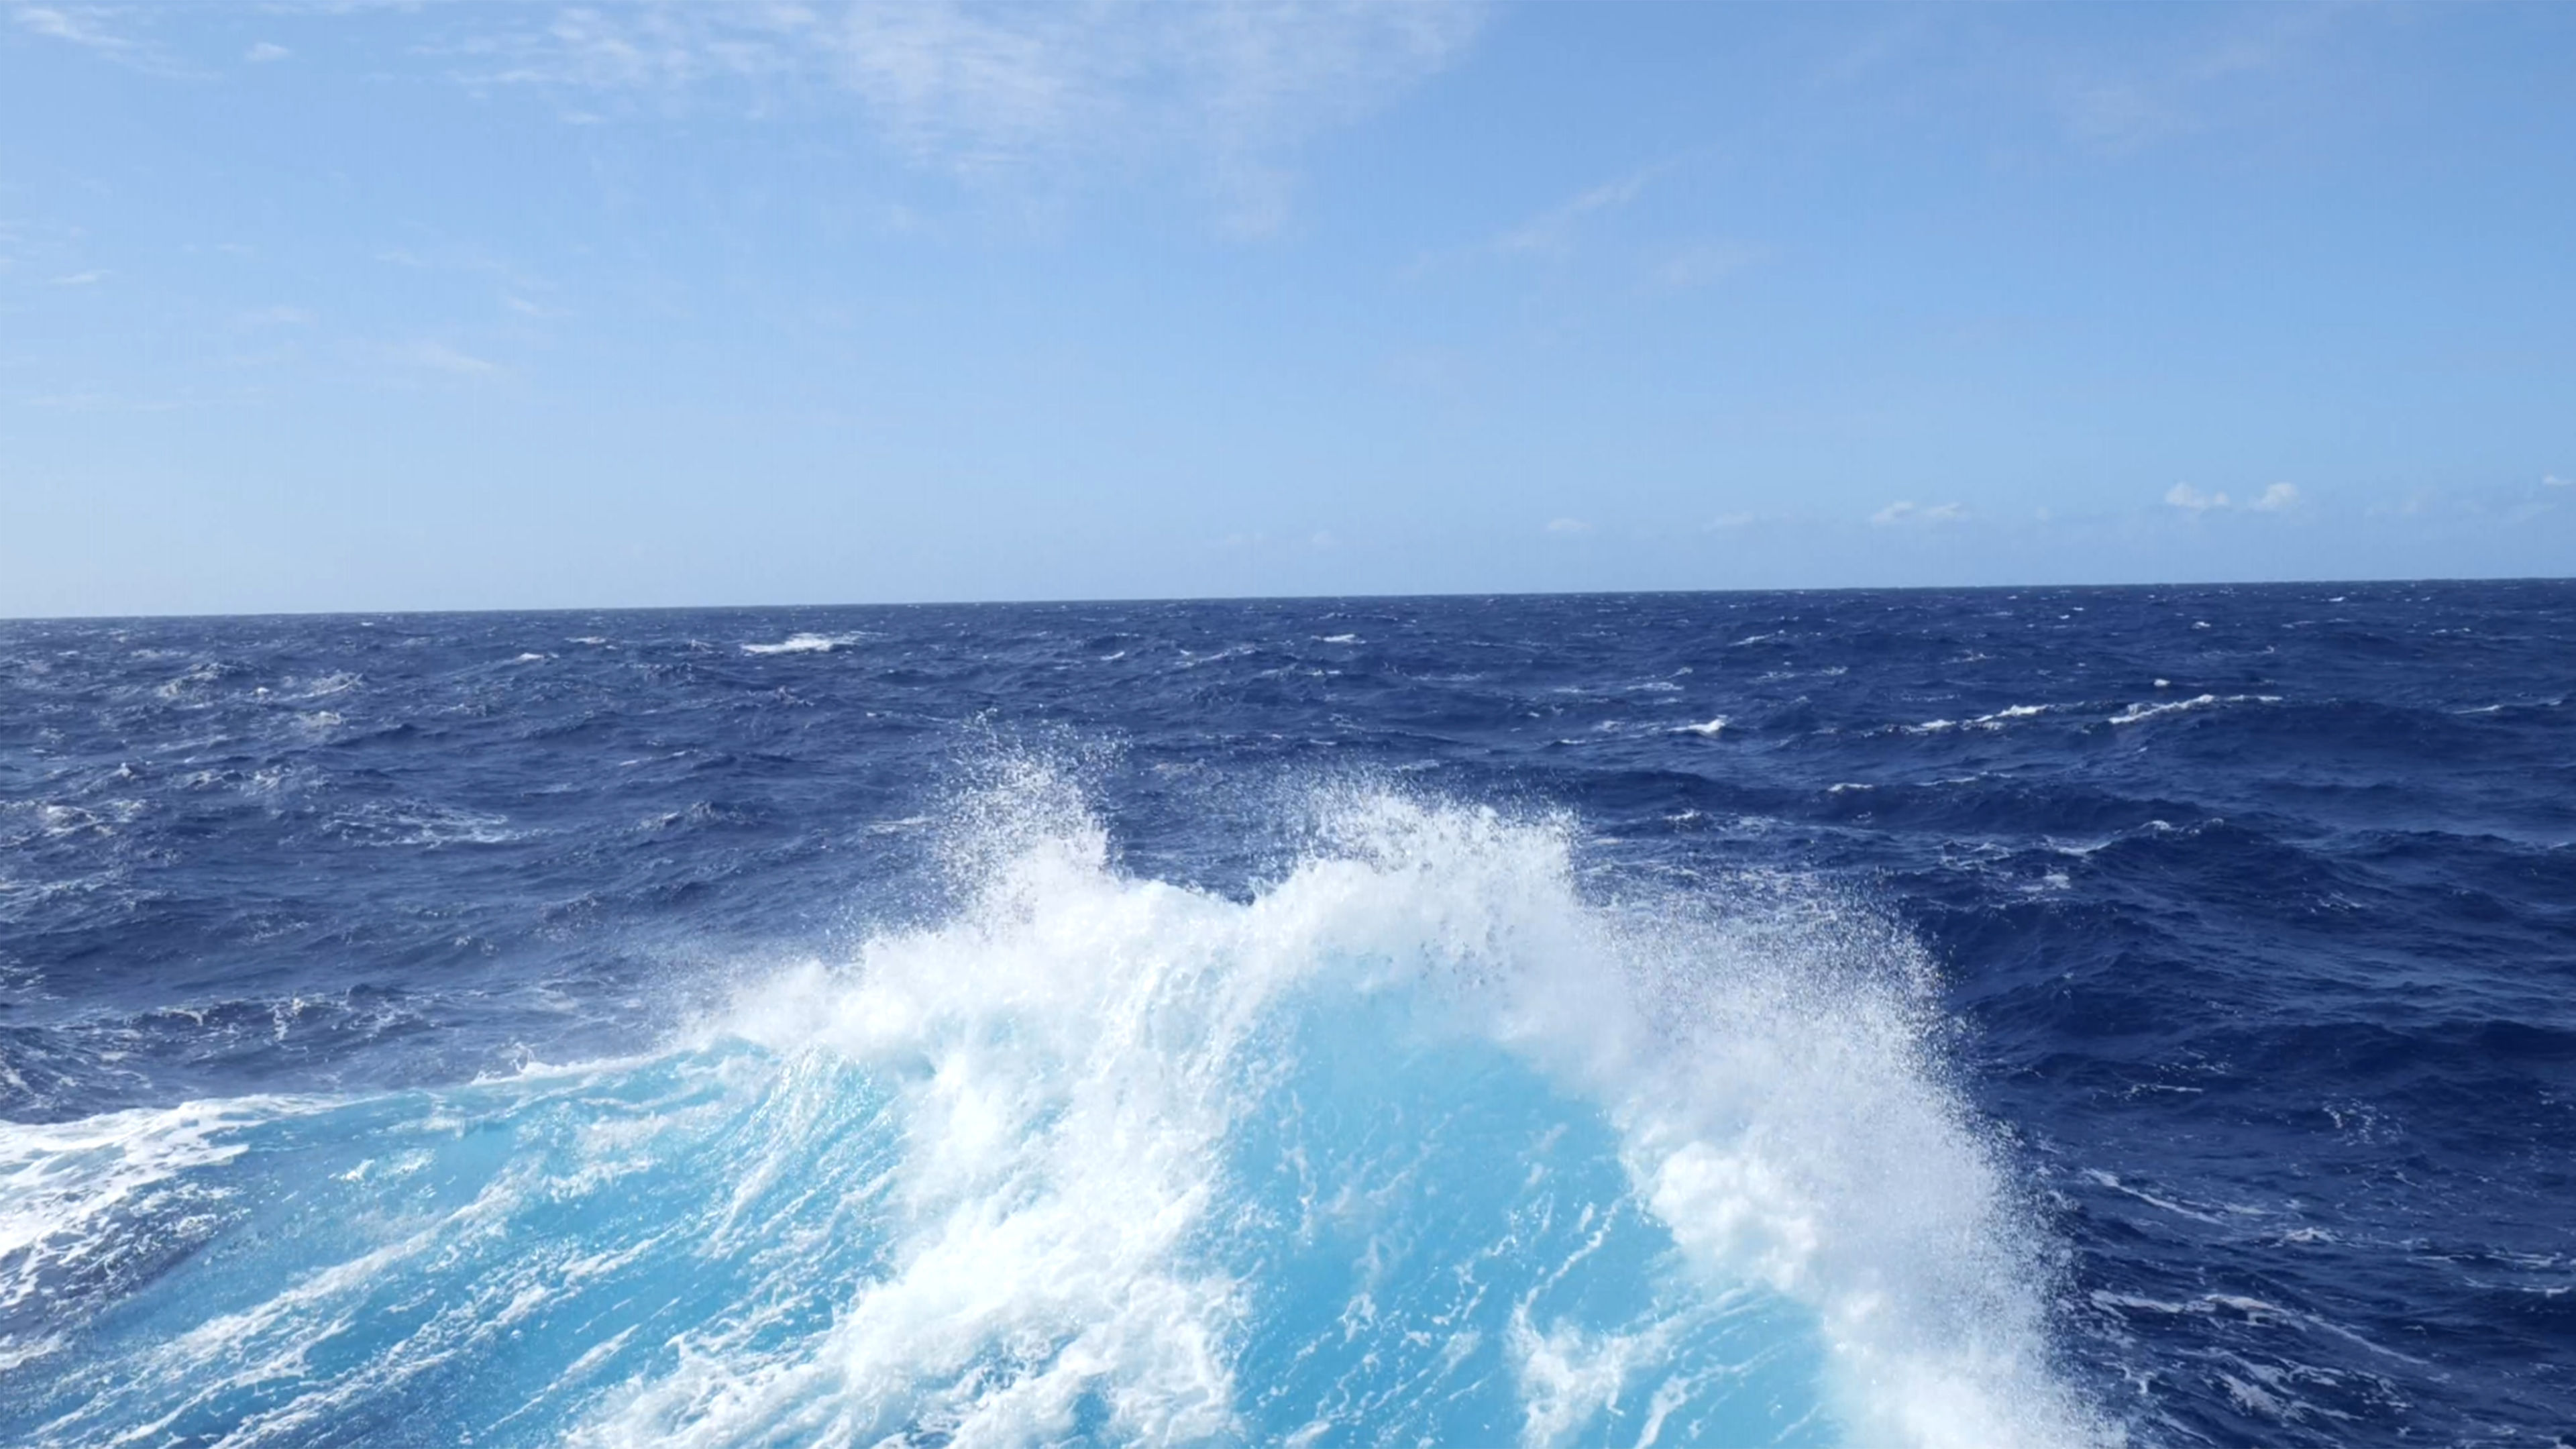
{"points": [[2037, 1017]]}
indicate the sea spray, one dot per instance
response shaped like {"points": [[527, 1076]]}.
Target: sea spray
{"points": [[1421, 1142]]}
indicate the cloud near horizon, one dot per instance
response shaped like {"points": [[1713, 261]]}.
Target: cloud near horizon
{"points": [[2279, 498], [1920, 515]]}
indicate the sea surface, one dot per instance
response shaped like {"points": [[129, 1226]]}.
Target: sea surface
{"points": [[1969, 1019]]}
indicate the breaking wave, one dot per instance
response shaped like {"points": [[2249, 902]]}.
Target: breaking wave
{"points": [[1427, 1140]]}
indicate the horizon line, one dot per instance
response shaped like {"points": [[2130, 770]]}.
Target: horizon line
{"points": [[1135, 599]]}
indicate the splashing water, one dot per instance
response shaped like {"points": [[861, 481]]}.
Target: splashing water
{"points": [[1422, 1143]]}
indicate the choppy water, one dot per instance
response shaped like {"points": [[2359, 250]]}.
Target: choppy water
{"points": [[1942, 1019]]}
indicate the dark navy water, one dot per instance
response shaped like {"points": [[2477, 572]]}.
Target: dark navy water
{"points": [[2052, 1015]]}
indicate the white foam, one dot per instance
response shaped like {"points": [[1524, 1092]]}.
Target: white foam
{"points": [[2140, 712], [63, 1185], [805, 644], [1190, 660], [1072, 1052], [321, 686], [419, 823], [1569, 1377], [1711, 728], [1994, 721], [1065, 1064]]}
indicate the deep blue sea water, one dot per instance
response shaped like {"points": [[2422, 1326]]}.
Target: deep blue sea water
{"points": [[2034, 1017]]}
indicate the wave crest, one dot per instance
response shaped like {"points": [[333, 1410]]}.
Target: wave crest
{"points": [[1425, 1140]]}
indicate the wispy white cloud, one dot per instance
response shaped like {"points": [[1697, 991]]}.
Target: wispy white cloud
{"points": [[518, 287], [2552, 480], [80, 279], [2279, 498], [2120, 114], [47, 248], [103, 402], [1697, 266], [1567, 526], [1919, 515], [2183, 495], [89, 26], [118, 33], [2139, 102], [993, 87], [1551, 232], [982, 89], [2259, 39], [439, 357]]}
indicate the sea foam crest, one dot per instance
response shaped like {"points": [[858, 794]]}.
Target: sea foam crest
{"points": [[805, 644], [1420, 1142], [74, 1197], [1076, 1052]]}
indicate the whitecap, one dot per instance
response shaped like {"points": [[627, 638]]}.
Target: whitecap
{"points": [[1995, 721], [2137, 713], [805, 644], [418, 823]]}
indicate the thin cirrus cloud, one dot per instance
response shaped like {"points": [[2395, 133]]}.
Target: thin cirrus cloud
{"points": [[1698, 266], [1551, 233], [2129, 104], [983, 89], [989, 89], [121, 34], [438, 357], [1555, 234], [87, 26]]}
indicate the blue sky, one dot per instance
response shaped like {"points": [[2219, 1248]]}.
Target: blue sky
{"points": [[429, 305]]}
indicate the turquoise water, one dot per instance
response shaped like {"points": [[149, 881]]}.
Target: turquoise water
{"points": [[1390, 1154]]}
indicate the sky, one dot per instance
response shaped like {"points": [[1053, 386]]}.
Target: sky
{"points": [[337, 305]]}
